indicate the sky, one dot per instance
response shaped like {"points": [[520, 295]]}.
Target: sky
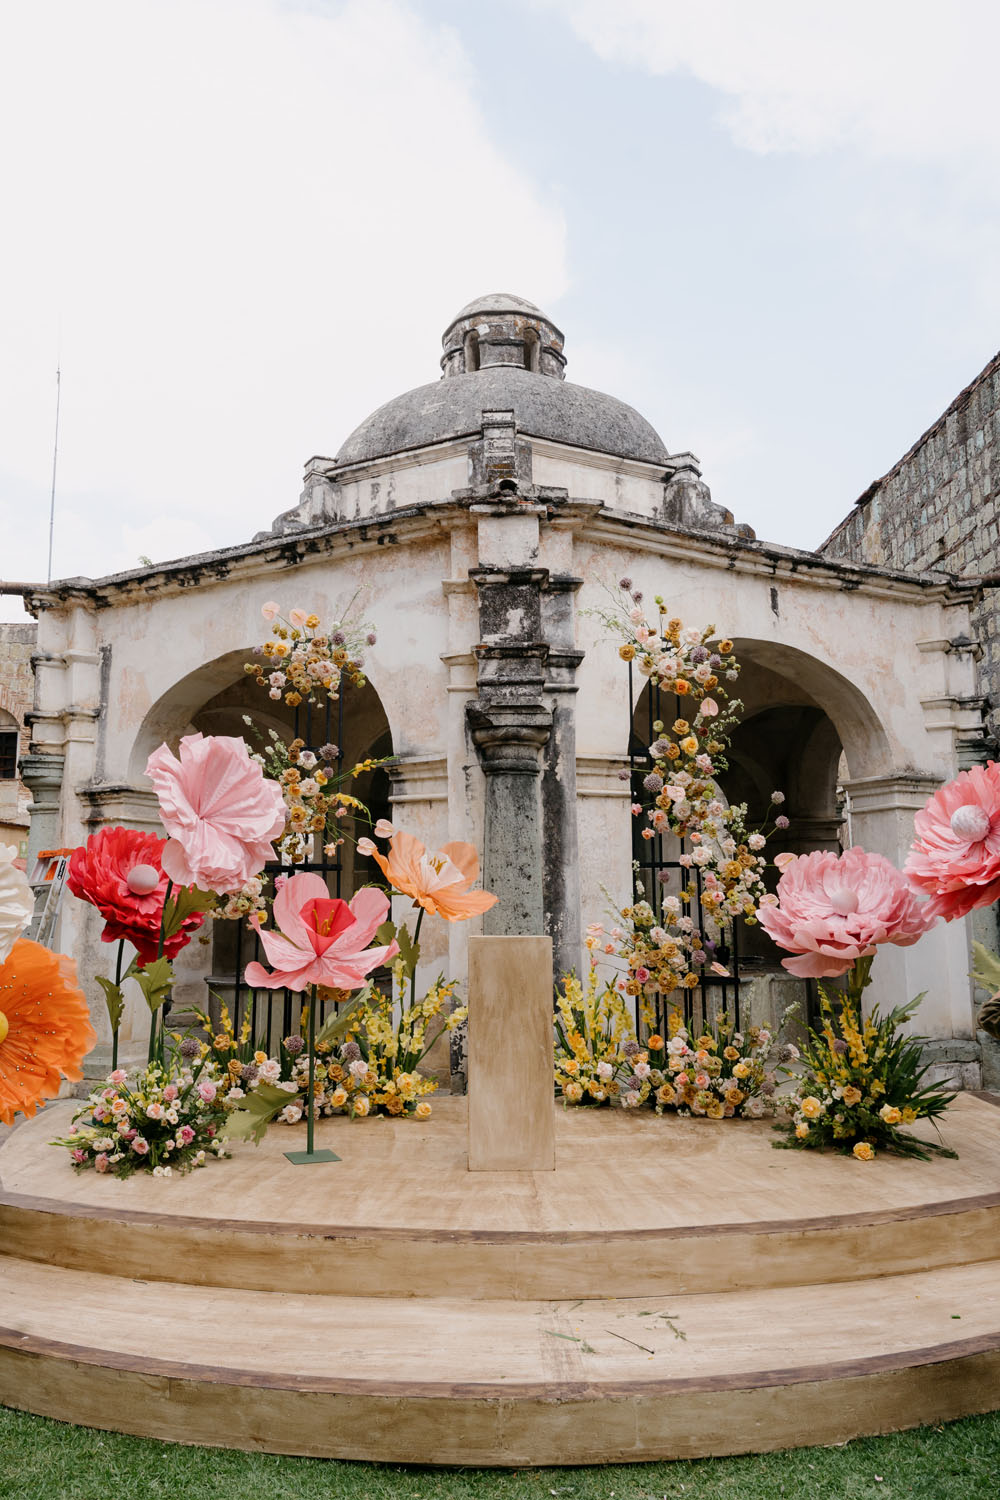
{"points": [[238, 226]]}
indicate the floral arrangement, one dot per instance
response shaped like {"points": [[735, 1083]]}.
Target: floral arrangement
{"points": [[594, 1040], [723, 869], [721, 1074], [312, 789], [862, 1080], [374, 1069], [166, 1120], [302, 664]]}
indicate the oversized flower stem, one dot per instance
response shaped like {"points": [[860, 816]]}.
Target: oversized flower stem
{"points": [[156, 1030]]}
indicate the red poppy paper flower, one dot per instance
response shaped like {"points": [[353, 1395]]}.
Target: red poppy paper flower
{"points": [[108, 869], [45, 1030]]}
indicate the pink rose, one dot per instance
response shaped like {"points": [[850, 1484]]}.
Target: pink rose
{"points": [[185, 1135], [219, 809], [207, 1090], [835, 909], [140, 1145], [955, 857], [101, 1161], [170, 1092], [118, 1076]]}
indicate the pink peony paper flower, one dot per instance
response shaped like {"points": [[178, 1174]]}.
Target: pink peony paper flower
{"points": [[835, 909], [219, 809], [955, 857], [322, 940]]}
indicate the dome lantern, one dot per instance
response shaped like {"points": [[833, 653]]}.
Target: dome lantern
{"points": [[502, 330]]}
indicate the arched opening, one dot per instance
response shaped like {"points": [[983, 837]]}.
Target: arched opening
{"points": [[802, 722], [471, 350], [9, 739], [532, 350], [220, 698]]}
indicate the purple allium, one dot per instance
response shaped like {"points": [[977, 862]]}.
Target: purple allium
{"points": [[697, 956], [624, 774], [631, 1049], [329, 752], [294, 1045], [653, 782], [699, 654], [663, 876], [637, 597], [350, 1052], [715, 660], [625, 583], [634, 1082], [781, 822], [840, 1046], [767, 1087], [371, 638], [658, 749], [338, 638], [249, 1073], [189, 1047]]}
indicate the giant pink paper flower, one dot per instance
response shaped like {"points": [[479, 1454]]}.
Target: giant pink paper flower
{"points": [[956, 854], [322, 940], [219, 810], [833, 909]]}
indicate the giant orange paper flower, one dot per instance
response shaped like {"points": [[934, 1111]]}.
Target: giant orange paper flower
{"points": [[45, 1029], [437, 882]]}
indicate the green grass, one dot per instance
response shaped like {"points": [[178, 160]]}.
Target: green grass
{"points": [[43, 1460]]}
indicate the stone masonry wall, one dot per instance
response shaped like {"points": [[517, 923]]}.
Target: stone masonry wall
{"points": [[939, 507], [17, 643]]}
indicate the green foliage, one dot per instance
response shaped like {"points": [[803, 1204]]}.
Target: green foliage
{"points": [[184, 903], [155, 980], [863, 1079], [250, 1121], [114, 998]]}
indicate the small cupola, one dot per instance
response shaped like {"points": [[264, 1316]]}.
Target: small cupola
{"points": [[502, 330]]}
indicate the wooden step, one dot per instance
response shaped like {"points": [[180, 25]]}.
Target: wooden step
{"points": [[636, 1207], [432, 1379]]}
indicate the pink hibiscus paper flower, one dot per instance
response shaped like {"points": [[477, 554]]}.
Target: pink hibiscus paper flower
{"points": [[219, 809], [322, 940], [834, 909], [955, 857]]}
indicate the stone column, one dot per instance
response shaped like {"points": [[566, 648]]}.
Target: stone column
{"points": [[43, 776], [561, 851], [882, 809]]}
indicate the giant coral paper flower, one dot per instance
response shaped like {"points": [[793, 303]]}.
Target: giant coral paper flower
{"points": [[16, 901], [322, 940], [437, 882], [955, 857], [45, 1029], [99, 873], [835, 909], [219, 809]]}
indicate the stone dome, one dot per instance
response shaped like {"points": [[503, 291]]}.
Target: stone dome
{"points": [[502, 353]]}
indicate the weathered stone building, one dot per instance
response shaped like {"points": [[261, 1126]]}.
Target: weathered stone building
{"points": [[17, 643], [482, 520], [938, 508]]}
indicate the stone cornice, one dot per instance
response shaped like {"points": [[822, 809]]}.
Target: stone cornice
{"points": [[274, 554]]}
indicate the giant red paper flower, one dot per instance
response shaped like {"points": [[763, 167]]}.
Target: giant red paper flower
{"points": [[99, 872], [219, 809], [323, 940], [835, 909], [45, 1030], [955, 857], [437, 882]]}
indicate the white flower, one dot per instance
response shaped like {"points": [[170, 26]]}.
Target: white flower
{"points": [[631, 1099], [234, 1094], [359, 1068], [16, 901], [605, 1070], [756, 841], [163, 1171], [270, 1071], [288, 1086], [642, 1070], [291, 1114], [306, 760]]}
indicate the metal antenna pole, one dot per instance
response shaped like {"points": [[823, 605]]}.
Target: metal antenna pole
{"points": [[55, 459]]}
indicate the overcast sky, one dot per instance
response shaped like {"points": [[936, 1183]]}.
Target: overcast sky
{"points": [[240, 225]]}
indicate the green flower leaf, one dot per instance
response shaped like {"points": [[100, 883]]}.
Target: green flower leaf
{"points": [[155, 981], [114, 998]]}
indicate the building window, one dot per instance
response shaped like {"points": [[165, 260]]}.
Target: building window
{"points": [[8, 754]]}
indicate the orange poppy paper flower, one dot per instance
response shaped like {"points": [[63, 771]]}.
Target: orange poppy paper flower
{"points": [[438, 882], [45, 1029]]}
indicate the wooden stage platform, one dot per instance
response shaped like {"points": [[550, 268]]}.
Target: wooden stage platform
{"points": [[394, 1306]]}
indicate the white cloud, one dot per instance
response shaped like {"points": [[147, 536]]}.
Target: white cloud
{"points": [[242, 224], [912, 80]]}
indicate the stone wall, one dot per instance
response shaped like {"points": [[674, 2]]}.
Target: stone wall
{"points": [[939, 507], [17, 644]]}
